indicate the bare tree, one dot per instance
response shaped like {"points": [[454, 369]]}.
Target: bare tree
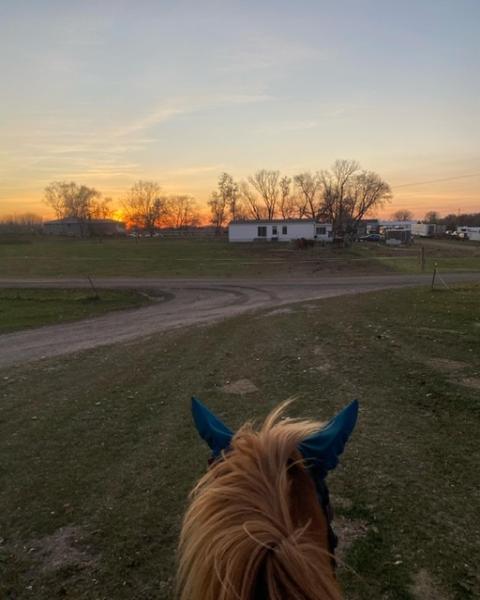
{"points": [[266, 184], [181, 212], [350, 194], [403, 215], [101, 209], [336, 184], [288, 205], [253, 204], [432, 216], [144, 205], [224, 201], [309, 194], [218, 211], [367, 191], [68, 199], [228, 189]]}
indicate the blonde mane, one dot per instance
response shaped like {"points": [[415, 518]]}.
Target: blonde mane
{"points": [[254, 528]]}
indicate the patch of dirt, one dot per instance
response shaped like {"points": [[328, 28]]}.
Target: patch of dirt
{"points": [[326, 365], [66, 547], [347, 532], [425, 588], [471, 382], [242, 386], [445, 364]]}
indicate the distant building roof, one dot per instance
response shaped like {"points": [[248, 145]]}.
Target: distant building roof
{"points": [[254, 221], [397, 222]]}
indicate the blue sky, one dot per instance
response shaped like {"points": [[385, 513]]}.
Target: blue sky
{"points": [[108, 92]]}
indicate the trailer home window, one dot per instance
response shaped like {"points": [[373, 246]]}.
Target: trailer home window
{"points": [[321, 230], [262, 231], [284, 230]]}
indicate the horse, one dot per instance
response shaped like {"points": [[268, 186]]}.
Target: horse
{"points": [[258, 523]]}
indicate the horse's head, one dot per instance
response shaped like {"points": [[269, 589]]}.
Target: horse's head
{"points": [[258, 525]]}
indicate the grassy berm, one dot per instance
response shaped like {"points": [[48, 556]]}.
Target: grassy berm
{"points": [[98, 452]]}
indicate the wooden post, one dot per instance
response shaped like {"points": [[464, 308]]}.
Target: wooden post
{"points": [[422, 258], [434, 275], [96, 296]]}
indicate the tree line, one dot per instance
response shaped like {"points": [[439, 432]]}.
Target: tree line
{"points": [[342, 195], [22, 223], [144, 206]]}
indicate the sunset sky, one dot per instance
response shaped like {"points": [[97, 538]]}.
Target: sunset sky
{"points": [[108, 92]]}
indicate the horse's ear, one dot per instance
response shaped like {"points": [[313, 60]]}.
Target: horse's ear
{"points": [[210, 428], [324, 448]]}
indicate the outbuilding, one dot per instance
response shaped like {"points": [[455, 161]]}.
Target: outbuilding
{"points": [[74, 227], [279, 230], [427, 229]]}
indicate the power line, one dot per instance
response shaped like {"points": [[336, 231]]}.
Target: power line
{"points": [[436, 180]]}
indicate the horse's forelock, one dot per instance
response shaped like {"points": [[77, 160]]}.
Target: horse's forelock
{"points": [[254, 522]]}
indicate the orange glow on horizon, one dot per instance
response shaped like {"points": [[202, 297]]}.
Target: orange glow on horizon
{"points": [[445, 199], [119, 215]]}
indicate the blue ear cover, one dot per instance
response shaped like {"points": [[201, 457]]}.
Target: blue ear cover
{"points": [[324, 448], [210, 428]]}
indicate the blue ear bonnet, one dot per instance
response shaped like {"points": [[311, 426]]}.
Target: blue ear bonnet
{"points": [[321, 450], [211, 429]]}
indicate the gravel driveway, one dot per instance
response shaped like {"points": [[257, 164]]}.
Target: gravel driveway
{"points": [[183, 302]]}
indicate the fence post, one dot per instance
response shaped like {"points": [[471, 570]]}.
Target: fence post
{"points": [[434, 275], [96, 296], [422, 258]]}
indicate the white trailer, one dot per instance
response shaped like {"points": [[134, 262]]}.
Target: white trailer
{"points": [[279, 230], [424, 229], [471, 233]]}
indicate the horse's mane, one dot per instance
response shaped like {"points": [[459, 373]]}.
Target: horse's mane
{"points": [[254, 528]]}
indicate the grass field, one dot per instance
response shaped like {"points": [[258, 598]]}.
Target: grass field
{"points": [[24, 308], [98, 452], [217, 258]]}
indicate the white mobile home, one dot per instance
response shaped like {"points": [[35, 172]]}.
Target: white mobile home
{"points": [[279, 230]]}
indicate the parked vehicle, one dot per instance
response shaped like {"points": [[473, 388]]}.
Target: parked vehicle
{"points": [[371, 237]]}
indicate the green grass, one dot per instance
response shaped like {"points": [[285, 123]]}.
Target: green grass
{"points": [[167, 257], [24, 308], [217, 258], [102, 442], [447, 255]]}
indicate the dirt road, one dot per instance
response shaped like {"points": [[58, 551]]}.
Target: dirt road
{"points": [[183, 302]]}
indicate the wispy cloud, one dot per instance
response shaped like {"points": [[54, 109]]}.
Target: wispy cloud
{"points": [[157, 116], [171, 108]]}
